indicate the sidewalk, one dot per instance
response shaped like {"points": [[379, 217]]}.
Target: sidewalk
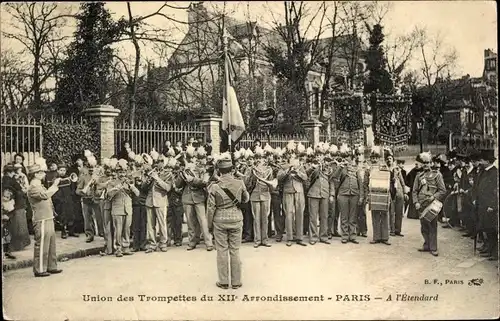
{"points": [[66, 249], [70, 248]]}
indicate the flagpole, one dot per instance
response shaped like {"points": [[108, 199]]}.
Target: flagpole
{"points": [[226, 91]]}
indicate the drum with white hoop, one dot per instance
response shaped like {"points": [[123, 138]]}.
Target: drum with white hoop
{"points": [[431, 211], [379, 189]]}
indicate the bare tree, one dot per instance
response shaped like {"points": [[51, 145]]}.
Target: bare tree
{"points": [[37, 27], [399, 52], [437, 61], [297, 51], [15, 81]]}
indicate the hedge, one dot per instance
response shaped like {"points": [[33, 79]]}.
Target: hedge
{"points": [[62, 141]]}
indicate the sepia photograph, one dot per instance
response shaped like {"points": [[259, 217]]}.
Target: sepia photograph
{"points": [[249, 160]]}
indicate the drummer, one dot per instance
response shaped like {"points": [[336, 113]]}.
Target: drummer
{"points": [[428, 186]]}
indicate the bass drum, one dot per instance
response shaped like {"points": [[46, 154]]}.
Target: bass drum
{"points": [[379, 189]]}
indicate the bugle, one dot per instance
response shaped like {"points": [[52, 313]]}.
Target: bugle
{"points": [[73, 178]]}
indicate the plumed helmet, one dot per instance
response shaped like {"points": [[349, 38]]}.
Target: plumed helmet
{"points": [[237, 154], [309, 151], [278, 151], [326, 147], [301, 149], [42, 163], [171, 152], [92, 161], [375, 151], [291, 146], [87, 153], [344, 150], [425, 157], [268, 149], [249, 153], [242, 152], [171, 162], [154, 154], [190, 151], [105, 162], [259, 152], [131, 155], [139, 160], [113, 162], [201, 152], [333, 150], [123, 164]]}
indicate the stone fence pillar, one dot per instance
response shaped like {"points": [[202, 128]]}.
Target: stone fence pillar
{"points": [[104, 118], [211, 123], [313, 128]]}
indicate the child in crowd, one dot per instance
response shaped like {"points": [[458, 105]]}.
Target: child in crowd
{"points": [[7, 210]]}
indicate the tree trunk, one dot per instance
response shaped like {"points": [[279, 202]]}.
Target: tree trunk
{"points": [[133, 85], [37, 94]]}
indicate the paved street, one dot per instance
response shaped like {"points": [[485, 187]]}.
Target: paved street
{"points": [[328, 270]]}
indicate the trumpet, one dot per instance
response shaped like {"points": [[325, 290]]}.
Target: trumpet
{"points": [[73, 178]]}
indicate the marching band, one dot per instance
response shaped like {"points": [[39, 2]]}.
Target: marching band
{"points": [[138, 203]]}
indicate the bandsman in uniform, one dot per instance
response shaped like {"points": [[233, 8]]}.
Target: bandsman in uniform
{"points": [[292, 177], [246, 162], [89, 188], [194, 180], [159, 183], [350, 196], [361, 220], [258, 178], [175, 208], [45, 257], [428, 186], [226, 220], [276, 197], [380, 218], [320, 195], [119, 192]]}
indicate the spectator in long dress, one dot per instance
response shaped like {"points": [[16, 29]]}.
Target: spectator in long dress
{"points": [[19, 160], [18, 224]]}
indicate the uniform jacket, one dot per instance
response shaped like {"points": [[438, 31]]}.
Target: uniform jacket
{"points": [[120, 198], [321, 184], [157, 195], [194, 192], [95, 190], [258, 190], [292, 183], [351, 181], [41, 202], [428, 185], [220, 207]]}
